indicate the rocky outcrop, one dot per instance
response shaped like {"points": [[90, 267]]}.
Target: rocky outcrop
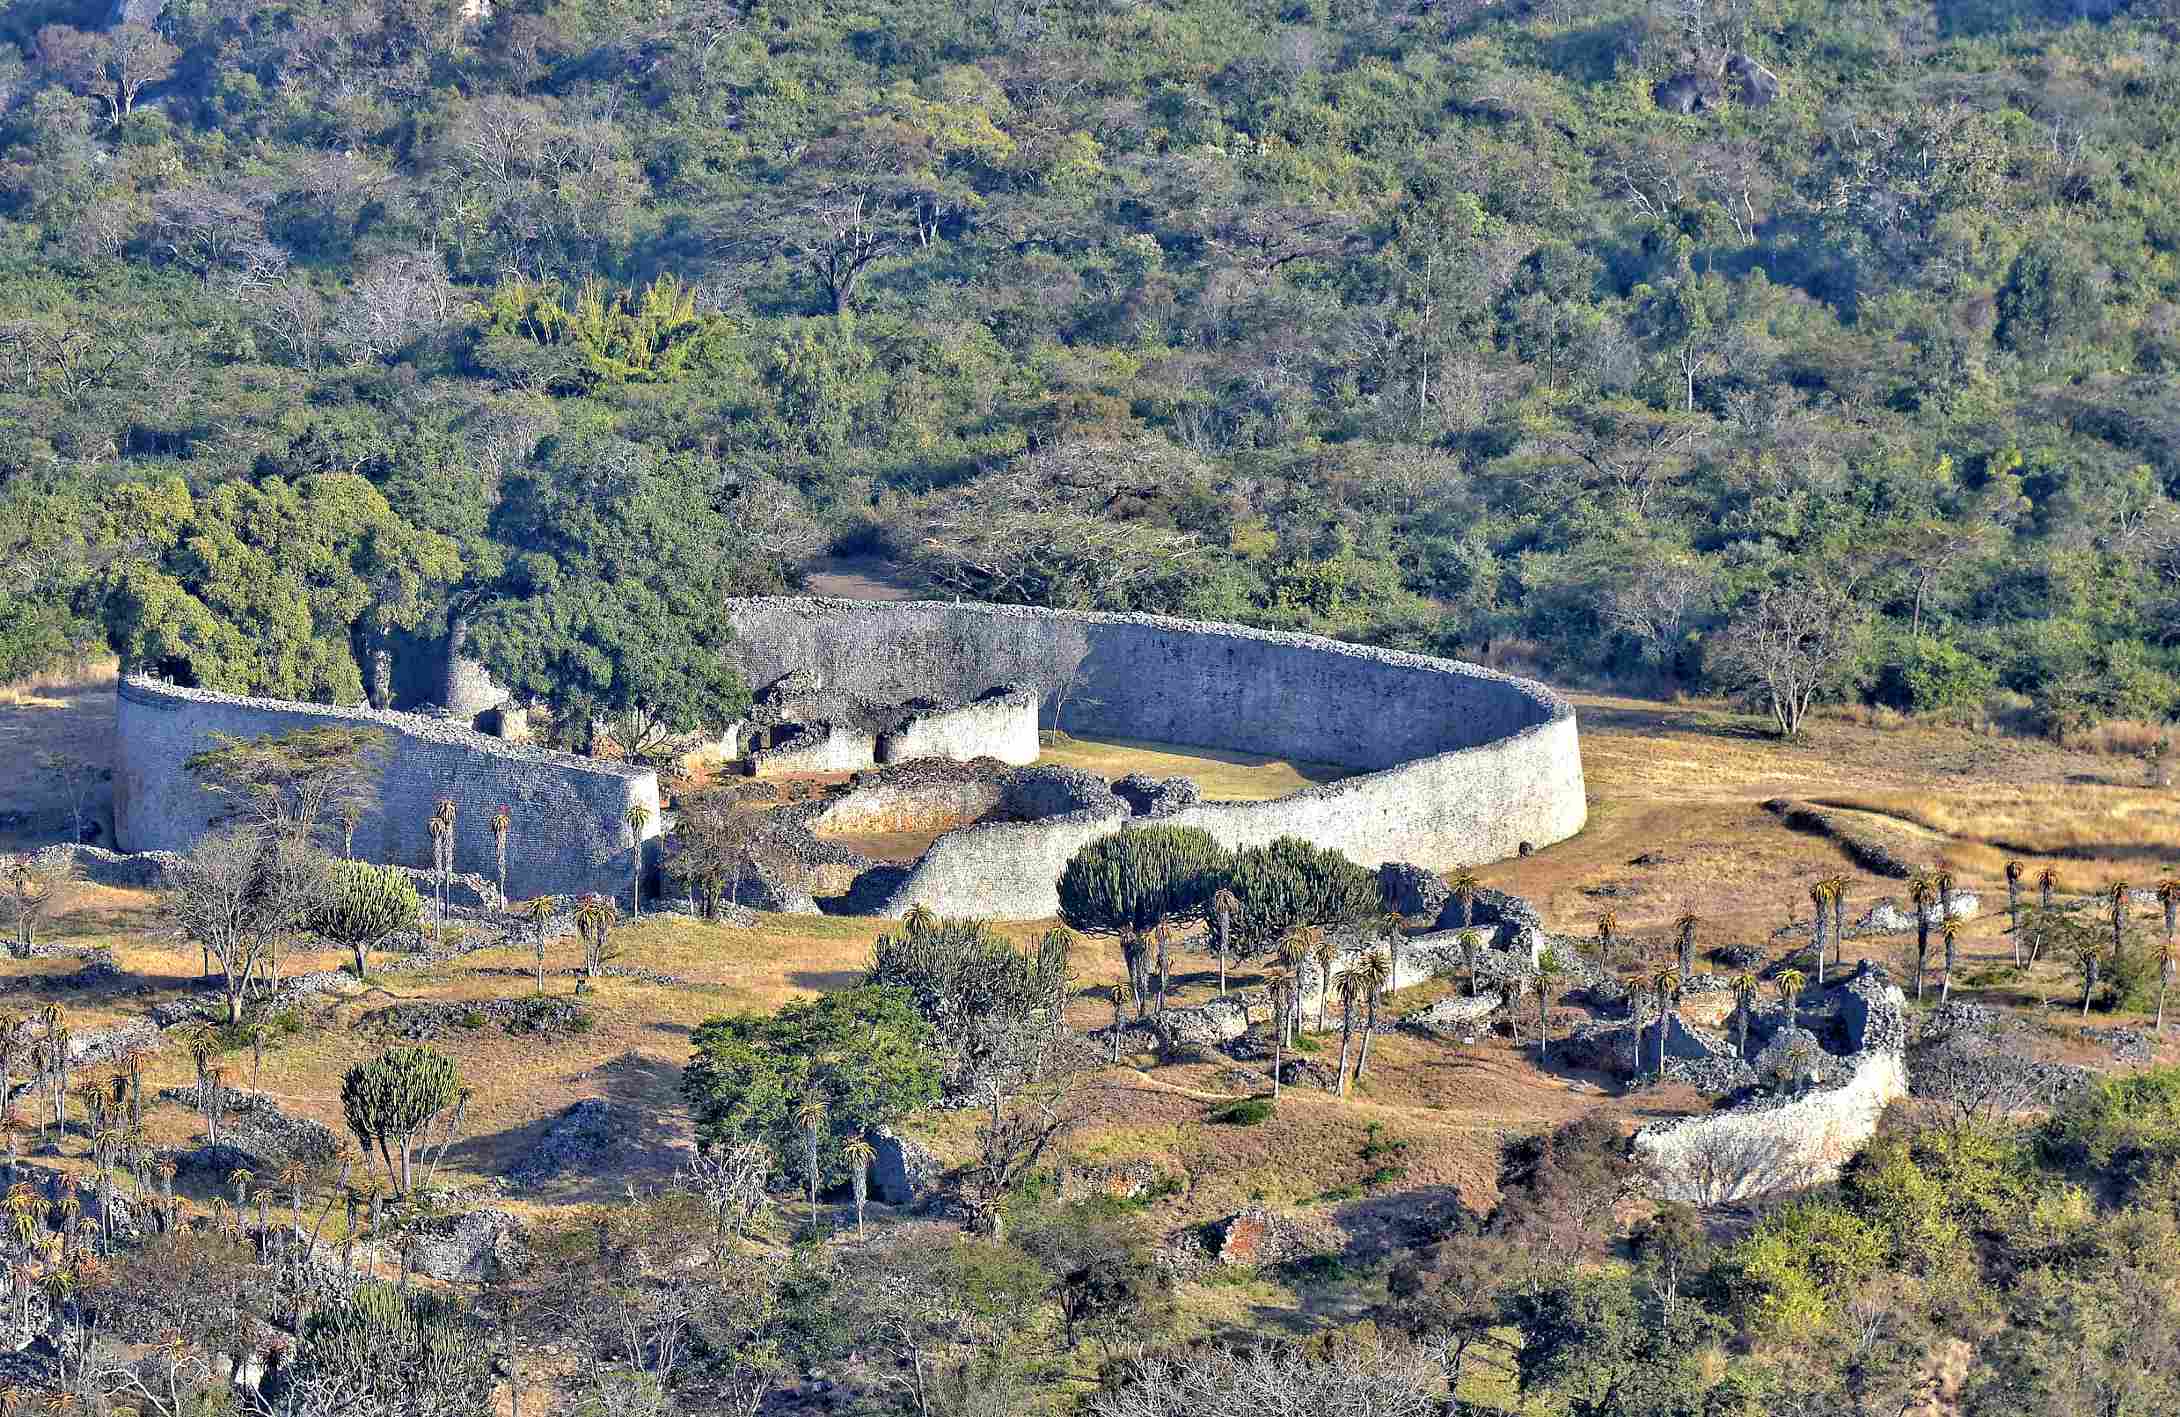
{"points": [[252, 1124], [1149, 796], [456, 1247]]}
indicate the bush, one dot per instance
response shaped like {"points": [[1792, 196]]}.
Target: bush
{"points": [[1291, 883], [1927, 674], [1134, 879], [2121, 1130], [1246, 1113]]}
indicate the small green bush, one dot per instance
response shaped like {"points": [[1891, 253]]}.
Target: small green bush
{"points": [[1245, 1113]]}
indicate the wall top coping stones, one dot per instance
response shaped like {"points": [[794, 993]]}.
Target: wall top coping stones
{"points": [[155, 694], [1554, 706]]}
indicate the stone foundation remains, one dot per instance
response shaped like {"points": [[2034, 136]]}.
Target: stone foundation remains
{"points": [[1458, 765]]}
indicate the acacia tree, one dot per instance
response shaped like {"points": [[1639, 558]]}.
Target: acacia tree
{"points": [[32, 884], [113, 67], [1788, 646], [301, 783]]}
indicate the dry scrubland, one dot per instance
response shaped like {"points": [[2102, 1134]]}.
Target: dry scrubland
{"points": [[1677, 822]]}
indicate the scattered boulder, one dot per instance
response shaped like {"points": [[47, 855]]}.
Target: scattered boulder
{"points": [[1125, 1180], [903, 1172], [1890, 917], [577, 1137], [1686, 93], [1261, 1238], [106, 1046], [1459, 1018]]}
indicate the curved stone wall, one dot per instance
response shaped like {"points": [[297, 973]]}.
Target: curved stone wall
{"points": [[569, 832], [1459, 765]]}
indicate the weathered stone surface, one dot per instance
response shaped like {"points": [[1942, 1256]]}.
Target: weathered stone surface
{"points": [[1460, 765], [577, 1138], [456, 1246], [902, 1171], [1454, 1017], [1795, 1136], [1149, 796], [570, 831], [253, 1123], [1891, 916], [1411, 890], [1260, 1237]]}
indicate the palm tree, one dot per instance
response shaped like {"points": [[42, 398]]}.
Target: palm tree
{"points": [[1275, 984], [1225, 905], [859, 1154], [1389, 930], [2168, 895], [540, 910], [2168, 958], [438, 831], [1839, 886], [2116, 897], [638, 817], [1789, 983], [1120, 1017], [1462, 885], [2014, 871], [1351, 985], [1664, 984], [502, 819], [1471, 944], [1949, 932], [1922, 891], [810, 1117], [1686, 925], [920, 920], [443, 852], [2047, 881], [1375, 972], [2087, 957], [1744, 994], [1550, 970], [1322, 954], [1294, 952], [1820, 896], [1608, 930]]}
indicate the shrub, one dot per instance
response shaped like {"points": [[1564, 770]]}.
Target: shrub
{"points": [[1246, 1113], [1291, 883], [1134, 879], [2121, 1130]]}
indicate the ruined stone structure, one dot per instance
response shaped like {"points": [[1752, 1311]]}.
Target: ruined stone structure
{"points": [[569, 833], [820, 737], [1798, 1135], [1458, 765]]}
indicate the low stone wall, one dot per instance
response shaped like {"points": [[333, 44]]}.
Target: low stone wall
{"points": [[1458, 765], [570, 832], [817, 748], [1776, 1145], [1001, 725]]}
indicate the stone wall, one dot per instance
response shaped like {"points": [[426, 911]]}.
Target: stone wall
{"points": [[568, 834], [1790, 1140], [816, 748], [1001, 725], [1458, 765]]}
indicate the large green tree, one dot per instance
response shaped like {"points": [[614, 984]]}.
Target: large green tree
{"points": [[865, 1055]]}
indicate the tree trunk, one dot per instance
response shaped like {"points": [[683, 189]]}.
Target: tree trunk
{"points": [[1370, 1026], [1347, 1036], [1945, 981], [1224, 918], [1922, 949]]}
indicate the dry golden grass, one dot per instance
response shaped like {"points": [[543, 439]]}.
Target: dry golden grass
{"points": [[1223, 776]]}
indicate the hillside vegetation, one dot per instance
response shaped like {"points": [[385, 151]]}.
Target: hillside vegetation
{"points": [[1438, 325]]}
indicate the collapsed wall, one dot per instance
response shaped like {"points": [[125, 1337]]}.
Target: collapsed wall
{"points": [[1458, 765], [1794, 1139], [569, 832], [1001, 725]]}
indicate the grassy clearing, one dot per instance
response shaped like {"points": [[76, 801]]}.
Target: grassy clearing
{"points": [[1223, 776]]}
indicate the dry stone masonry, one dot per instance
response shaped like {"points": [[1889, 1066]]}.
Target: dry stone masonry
{"points": [[1458, 765], [570, 830]]}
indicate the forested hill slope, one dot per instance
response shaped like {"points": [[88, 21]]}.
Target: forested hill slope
{"points": [[1576, 326]]}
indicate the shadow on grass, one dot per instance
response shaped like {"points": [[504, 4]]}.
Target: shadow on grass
{"points": [[826, 980], [646, 1146]]}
